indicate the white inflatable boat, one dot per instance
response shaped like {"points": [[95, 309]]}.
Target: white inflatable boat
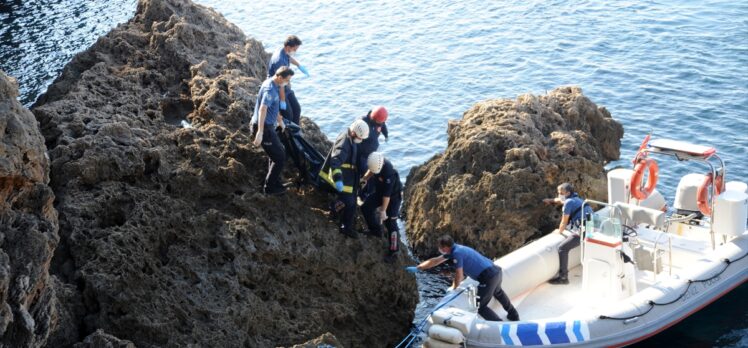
{"points": [[681, 263]]}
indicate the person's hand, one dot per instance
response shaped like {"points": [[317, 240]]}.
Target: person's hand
{"points": [[548, 201], [283, 105], [382, 214], [258, 138], [412, 269], [303, 69], [386, 139], [282, 125], [363, 182], [339, 186]]}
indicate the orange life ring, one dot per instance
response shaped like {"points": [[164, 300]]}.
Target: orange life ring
{"points": [[637, 191], [702, 194]]}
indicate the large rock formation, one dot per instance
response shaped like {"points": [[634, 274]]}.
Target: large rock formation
{"points": [[28, 226], [163, 230], [502, 159]]}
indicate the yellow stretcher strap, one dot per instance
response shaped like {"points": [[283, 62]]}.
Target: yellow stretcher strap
{"points": [[326, 177]]}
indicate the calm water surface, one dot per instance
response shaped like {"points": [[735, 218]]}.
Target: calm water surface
{"points": [[675, 68]]}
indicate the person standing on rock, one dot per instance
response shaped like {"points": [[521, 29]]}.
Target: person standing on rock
{"points": [[264, 121], [571, 220], [385, 200], [284, 57], [339, 170], [469, 262], [375, 119]]}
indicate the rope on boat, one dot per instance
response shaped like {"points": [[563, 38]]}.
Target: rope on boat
{"points": [[414, 333], [652, 304]]}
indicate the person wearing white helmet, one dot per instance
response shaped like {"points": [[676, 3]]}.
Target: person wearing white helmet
{"points": [[339, 170], [384, 200]]}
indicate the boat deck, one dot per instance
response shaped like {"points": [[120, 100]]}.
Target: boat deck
{"points": [[548, 300]]}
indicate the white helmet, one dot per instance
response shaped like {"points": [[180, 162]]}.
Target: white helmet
{"points": [[360, 128], [375, 162]]}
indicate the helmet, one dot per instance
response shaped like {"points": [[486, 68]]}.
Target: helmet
{"points": [[379, 114], [375, 162], [360, 128]]}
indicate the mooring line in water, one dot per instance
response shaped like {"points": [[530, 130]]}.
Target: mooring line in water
{"points": [[414, 333]]}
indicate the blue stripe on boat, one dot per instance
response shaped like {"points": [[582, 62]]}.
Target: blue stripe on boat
{"points": [[578, 331], [505, 335], [528, 334], [556, 332]]}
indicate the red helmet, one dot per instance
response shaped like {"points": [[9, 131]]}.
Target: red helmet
{"points": [[379, 114]]}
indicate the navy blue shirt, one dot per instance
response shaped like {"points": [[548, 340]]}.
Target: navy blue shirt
{"points": [[371, 143], [388, 181], [280, 58], [269, 95], [572, 205], [471, 262]]}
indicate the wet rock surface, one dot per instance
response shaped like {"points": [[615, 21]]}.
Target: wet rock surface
{"points": [[28, 227], [165, 236], [501, 160]]}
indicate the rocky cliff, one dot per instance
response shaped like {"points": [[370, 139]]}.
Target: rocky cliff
{"points": [[502, 159], [165, 237], [28, 226]]}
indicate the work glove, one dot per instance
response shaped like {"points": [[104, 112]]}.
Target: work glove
{"points": [[411, 269], [283, 105], [339, 186], [303, 69]]}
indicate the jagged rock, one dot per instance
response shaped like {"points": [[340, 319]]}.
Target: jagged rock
{"points": [[327, 340], [164, 231], [101, 339], [502, 159], [28, 226]]}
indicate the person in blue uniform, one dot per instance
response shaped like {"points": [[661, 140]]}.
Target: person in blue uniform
{"points": [[571, 221], [384, 202], [375, 119], [264, 121], [469, 262], [284, 57], [339, 170]]}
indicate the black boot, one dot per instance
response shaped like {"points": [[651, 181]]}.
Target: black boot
{"points": [[512, 315], [561, 279]]}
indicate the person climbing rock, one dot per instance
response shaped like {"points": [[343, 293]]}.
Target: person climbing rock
{"points": [[284, 57], [264, 121], [469, 262], [571, 221], [375, 119], [384, 202], [339, 170]]}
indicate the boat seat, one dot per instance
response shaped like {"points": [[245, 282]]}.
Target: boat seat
{"points": [[641, 215]]}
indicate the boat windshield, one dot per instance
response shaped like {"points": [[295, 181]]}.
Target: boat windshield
{"points": [[603, 225]]}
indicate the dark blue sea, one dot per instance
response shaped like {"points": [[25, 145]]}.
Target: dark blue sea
{"points": [[678, 69]]}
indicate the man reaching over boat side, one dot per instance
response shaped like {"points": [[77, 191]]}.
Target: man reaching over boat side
{"points": [[571, 221], [468, 261]]}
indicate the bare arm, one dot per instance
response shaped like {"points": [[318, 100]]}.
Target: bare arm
{"points": [[282, 94], [459, 276], [431, 263], [293, 61], [564, 222], [260, 124]]}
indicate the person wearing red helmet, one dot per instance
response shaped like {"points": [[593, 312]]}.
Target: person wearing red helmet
{"points": [[375, 119]]}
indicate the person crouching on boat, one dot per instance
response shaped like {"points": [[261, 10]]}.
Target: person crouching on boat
{"points": [[571, 221], [469, 262]]}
